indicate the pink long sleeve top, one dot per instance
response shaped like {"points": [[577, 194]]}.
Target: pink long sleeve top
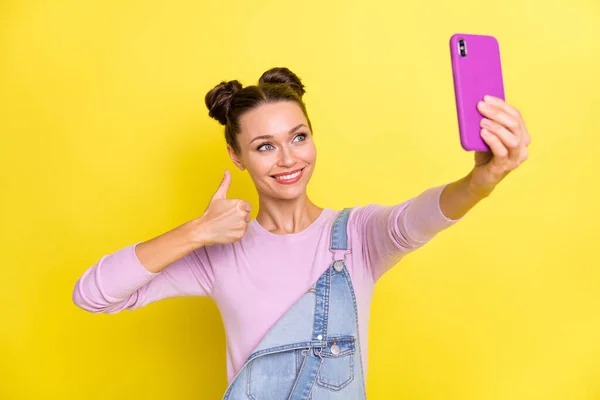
{"points": [[255, 280]]}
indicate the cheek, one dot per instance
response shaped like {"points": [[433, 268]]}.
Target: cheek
{"points": [[260, 165], [308, 153]]}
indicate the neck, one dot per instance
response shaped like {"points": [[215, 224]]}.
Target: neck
{"points": [[282, 216]]}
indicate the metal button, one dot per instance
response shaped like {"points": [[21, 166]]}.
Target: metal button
{"points": [[320, 337], [335, 349], [338, 265]]}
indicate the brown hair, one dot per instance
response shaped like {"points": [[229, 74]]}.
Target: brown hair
{"points": [[227, 101]]}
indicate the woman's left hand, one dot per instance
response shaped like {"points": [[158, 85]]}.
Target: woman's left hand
{"points": [[503, 129]]}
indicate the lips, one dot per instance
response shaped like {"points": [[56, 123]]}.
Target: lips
{"points": [[286, 173], [287, 181]]}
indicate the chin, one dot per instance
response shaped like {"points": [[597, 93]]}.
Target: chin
{"points": [[292, 194]]}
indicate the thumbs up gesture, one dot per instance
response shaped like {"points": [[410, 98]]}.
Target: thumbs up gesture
{"points": [[224, 220]]}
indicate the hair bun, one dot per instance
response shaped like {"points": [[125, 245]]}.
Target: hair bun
{"points": [[218, 100], [284, 76]]}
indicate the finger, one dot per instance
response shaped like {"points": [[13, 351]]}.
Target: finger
{"points": [[511, 141], [496, 114], [496, 146], [247, 218], [221, 192], [503, 105], [512, 111], [245, 206]]}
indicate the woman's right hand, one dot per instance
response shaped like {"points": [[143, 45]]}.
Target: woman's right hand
{"points": [[224, 220]]}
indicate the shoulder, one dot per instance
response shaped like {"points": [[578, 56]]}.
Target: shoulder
{"points": [[361, 214]]}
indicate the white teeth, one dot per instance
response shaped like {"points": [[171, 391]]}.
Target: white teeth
{"points": [[288, 177]]}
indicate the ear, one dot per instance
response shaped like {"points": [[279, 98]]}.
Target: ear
{"points": [[235, 159]]}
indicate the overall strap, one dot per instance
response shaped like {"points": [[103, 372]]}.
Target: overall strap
{"points": [[339, 247], [312, 364], [339, 240], [339, 234]]}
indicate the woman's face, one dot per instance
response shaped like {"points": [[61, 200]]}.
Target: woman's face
{"points": [[275, 140]]}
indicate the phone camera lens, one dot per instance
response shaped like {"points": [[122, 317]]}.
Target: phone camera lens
{"points": [[462, 48]]}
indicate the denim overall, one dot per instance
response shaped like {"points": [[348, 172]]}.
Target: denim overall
{"points": [[313, 351]]}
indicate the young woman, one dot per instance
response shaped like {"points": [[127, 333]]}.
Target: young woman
{"points": [[294, 285]]}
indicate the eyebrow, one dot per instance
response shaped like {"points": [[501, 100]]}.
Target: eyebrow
{"points": [[271, 136]]}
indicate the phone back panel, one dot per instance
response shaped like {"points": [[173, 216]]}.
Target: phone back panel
{"points": [[475, 75]]}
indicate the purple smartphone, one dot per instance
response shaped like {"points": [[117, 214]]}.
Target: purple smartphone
{"points": [[477, 71]]}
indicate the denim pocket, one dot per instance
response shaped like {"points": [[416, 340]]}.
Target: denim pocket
{"points": [[272, 376], [337, 369]]}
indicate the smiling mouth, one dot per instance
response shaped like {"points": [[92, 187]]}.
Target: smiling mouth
{"points": [[298, 172]]}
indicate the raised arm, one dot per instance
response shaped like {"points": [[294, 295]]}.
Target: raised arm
{"points": [[170, 265], [175, 263], [390, 232]]}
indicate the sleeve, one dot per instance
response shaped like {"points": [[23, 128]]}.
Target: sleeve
{"points": [[390, 232], [119, 281]]}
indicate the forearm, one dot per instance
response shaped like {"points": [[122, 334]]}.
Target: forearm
{"points": [[157, 253], [129, 278], [459, 197]]}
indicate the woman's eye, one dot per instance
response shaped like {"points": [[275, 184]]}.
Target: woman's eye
{"points": [[260, 148], [303, 135]]}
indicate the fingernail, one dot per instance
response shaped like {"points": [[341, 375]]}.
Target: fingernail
{"points": [[483, 105], [488, 98], [485, 122]]}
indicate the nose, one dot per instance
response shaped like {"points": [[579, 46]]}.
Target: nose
{"points": [[286, 157]]}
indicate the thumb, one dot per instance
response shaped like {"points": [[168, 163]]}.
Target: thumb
{"points": [[221, 192]]}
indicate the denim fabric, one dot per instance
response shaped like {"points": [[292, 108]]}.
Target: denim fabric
{"points": [[313, 351]]}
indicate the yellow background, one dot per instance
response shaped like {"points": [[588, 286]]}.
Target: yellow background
{"points": [[105, 140]]}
